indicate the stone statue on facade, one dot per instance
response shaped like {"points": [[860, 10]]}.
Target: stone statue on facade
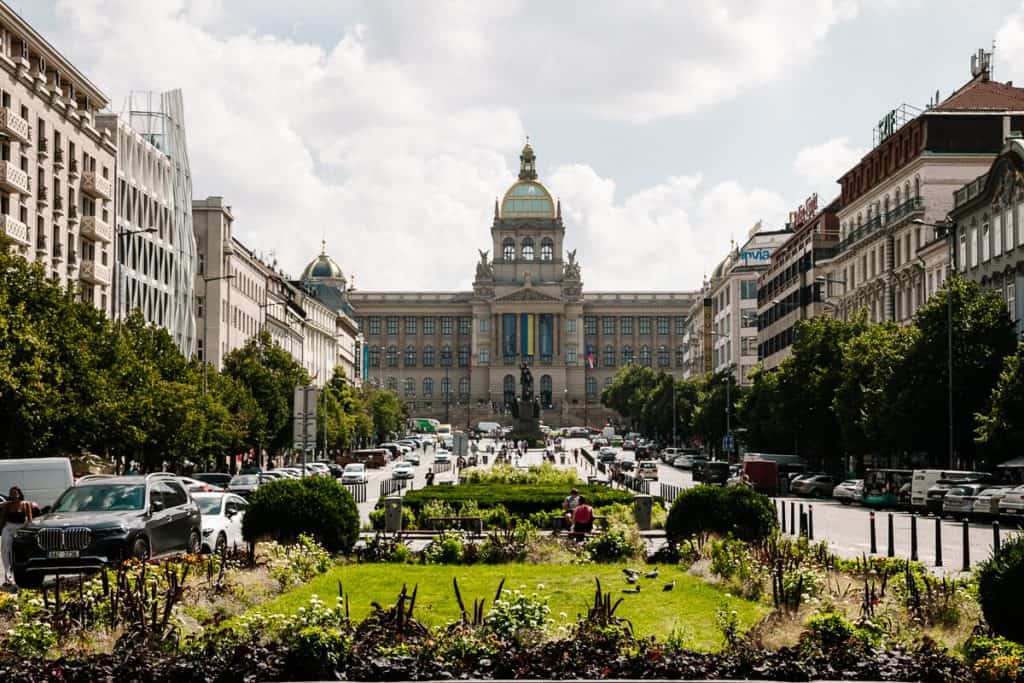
{"points": [[484, 269], [571, 270], [526, 383]]}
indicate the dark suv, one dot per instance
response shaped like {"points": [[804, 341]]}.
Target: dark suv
{"points": [[104, 521]]}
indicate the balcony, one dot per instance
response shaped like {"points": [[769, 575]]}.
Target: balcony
{"points": [[58, 206], [96, 186], [73, 169], [970, 190], [95, 229], [42, 196], [58, 158], [41, 249], [43, 150], [905, 210], [58, 252], [13, 179], [14, 230], [861, 232], [95, 273], [72, 258], [72, 214], [14, 125]]}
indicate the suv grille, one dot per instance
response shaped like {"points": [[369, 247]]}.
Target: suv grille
{"points": [[72, 538]]}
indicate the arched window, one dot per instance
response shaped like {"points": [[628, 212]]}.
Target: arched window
{"points": [[508, 386], [545, 391], [627, 355], [446, 388], [410, 356], [508, 249], [428, 356], [446, 356], [885, 208], [428, 386], [645, 356], [392, 356], [392, 384], [662, 356], [374, 357], [679, 357], [609, 356], [906, 191], [410, 387], [464, 389], [591, 387], [899, 197], [547, 249], [527, 249], [917, 187]]}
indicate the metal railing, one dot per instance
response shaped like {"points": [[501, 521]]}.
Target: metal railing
{"points": [[389, 487], [970, 190], [860, 232], [907, 208], [358, 492]]}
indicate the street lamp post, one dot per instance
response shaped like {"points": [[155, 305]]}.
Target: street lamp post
{"points": [[950, 230]]}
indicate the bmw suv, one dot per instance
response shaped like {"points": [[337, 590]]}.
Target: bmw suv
{"points": [[104, 521]]}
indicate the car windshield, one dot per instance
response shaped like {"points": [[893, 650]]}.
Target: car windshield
{"points": [[960, 491], [209, 506], [354, 467], [245, 480], [100, 497]]}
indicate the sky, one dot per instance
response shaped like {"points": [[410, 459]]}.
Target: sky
{"points": [[387, 128]]}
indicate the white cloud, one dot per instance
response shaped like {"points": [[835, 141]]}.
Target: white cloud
{"points": [[393, 140], [822, 165]]}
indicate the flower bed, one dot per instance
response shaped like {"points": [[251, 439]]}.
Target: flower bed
{"points": [[519, 500]]}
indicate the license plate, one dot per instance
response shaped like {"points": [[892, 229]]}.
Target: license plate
{"points": [[62, 554]]}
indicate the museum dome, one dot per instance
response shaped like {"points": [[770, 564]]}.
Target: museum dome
{"points": [[323, 268], [527, 198]]}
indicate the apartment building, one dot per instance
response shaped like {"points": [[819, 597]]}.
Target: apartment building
{"points": [[56, 165], [789, 291], [892, 198], [156, 245]]}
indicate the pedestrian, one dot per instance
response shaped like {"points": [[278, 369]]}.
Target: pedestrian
{"points": [[430, 477], [15, 513], [582, 520]]}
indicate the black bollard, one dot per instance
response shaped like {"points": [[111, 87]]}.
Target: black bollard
{"points": [[938, 541], [995, 537], [803, 521], [783, 506], [792, 518], [810, 522], [967, 546], [913, 537], [874, 544], [891, 550]]}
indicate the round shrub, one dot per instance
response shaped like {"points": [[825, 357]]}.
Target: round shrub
{"points": [[723, 510], [320, 507], [999, 580], [827, 631]]}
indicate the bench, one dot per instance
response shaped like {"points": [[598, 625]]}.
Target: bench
{"points": [[476, 523], [559, 524]]}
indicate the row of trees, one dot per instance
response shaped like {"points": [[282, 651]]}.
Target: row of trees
{"points": [[850, 389], [72, 380]]}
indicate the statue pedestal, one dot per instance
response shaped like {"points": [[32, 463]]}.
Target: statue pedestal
{"points": [[526, 425]]}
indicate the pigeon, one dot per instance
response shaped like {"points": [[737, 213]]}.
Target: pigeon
{"points": [[634, 589], [631, 578], [669, 586], [630, 572], [653, 574]]}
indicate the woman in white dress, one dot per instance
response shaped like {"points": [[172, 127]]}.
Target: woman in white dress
{"points": [[14, 514]]}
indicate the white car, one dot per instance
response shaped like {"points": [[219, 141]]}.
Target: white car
{"points": [[195, 486], [1012, 503], [443, 456], [849, 491], [222, 520], [412, 458], [403, 470], [355, 473], [288, 472]]}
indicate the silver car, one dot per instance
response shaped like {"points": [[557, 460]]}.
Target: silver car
{"points": [[959, 500], [849, 491]]}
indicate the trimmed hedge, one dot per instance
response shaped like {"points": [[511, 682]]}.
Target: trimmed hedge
{"points": [[736, 510], [318, 506], [999, 582], [520, 500]]}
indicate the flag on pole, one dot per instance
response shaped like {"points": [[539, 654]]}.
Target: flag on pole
{"points": [[591, 361]]}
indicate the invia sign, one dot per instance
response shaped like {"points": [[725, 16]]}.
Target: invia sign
{"points": [[756, 256]]}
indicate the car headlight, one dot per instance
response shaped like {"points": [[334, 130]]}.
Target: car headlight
{"points": [[25, 533], [207, 531], [118, 530]]}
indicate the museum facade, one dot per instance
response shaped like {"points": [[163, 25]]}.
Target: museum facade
{"points": [[456, 356]]}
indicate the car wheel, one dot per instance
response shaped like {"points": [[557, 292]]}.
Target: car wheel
{"points": [[844, 501], [140, 550], [195, 543], [221, 545]]}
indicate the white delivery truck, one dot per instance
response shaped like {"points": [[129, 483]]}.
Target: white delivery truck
{"points": [[487, 427], [42, 480]]}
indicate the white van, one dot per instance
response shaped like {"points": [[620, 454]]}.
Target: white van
{"points": [[487, 427], [42, 480], [925, 479]]}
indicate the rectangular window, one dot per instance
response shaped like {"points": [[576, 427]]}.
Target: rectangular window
{"points": [[663, 324], [447, 325], [374, 325], [748, 317], [985, 243], [997, 235], [974, 247], [608, 325], [1007, 231], [645, 325], [485, 324], [1011, 300], [896, 256], [570, 355], [392, 322], [626, 325], [681, 323], [484, 356], [590, 325], [410, 325], [570, 327], [963, 250], [465, 325], [428, 326], [748, 289]]}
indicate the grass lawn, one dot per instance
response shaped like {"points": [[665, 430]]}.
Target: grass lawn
{"points": [[690, 607]]}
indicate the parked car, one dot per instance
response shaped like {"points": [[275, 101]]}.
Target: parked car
{"points": [[647, 469], [355, 473], [403, 470], [394, 448], [195, 486], [222, 520], [217, 479], [244, 485], [849, 491], [681, 461], [628, 445], [333, 468], [669, 454], [412, 458], [105, 521], [959, 500], [289, 471], [42, 480], [1012, 502], [814, 485], [986, 505], [607, 454], [934, 498], [442, 456]]}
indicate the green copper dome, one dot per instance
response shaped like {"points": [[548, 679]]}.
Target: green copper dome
{"points": [[323, 267], [527, 198]]}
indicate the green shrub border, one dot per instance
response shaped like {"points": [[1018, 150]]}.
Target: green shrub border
{"points": [[520, 500]]}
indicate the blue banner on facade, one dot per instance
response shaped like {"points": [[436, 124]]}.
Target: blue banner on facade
{"points": [[547, 337], [508, 334]]}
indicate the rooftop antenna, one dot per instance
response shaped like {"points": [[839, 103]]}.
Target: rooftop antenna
{"points": [[992, 61]]}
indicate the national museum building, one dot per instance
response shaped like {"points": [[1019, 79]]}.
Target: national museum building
{"points": [[455, 356]]}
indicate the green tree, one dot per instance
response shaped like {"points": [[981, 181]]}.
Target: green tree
{"points": [[387, 411], [1000, 428], [760, 412], [271, 375], [629, 391], [715, 411], [345, 412], [983, 335]]}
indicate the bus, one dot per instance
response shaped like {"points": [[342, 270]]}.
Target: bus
{"points": [[423, 425], [887, 488]]}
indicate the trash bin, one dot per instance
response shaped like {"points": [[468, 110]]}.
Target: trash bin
{"points": [[642, 508], [393, 514]]}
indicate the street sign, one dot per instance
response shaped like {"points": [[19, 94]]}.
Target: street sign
{"points": [[304, 418], [728, 443]]}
